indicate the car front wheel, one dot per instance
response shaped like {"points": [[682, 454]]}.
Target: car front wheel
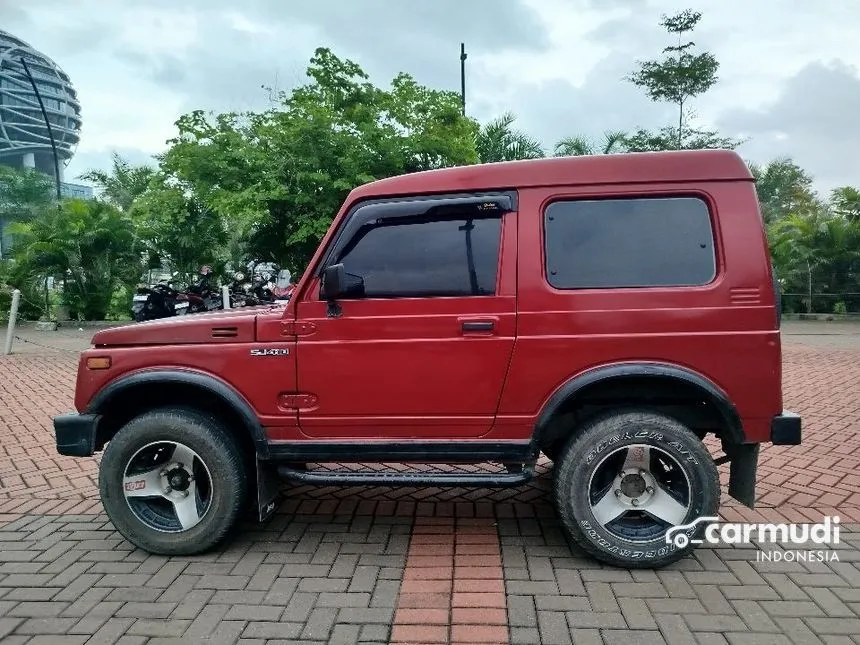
{"points": [[173, 482], [626, 479]]}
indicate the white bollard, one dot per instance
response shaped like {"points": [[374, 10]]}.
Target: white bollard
{"points": [[13, 316], [225, 296]]}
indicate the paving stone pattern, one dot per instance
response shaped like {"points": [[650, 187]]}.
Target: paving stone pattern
{"points": [[452, 588], [314, 578], [376, 565]]}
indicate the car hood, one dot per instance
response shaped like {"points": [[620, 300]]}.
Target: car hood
{"points": [[230, 326]]}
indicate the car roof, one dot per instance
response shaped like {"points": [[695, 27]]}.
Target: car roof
{"points": [[638, 167]]}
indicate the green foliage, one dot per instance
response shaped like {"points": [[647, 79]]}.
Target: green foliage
{"points": [[667, 139], [840, 308], [784, 188], [498, 141], [123, 184], [846, 202], [817, 254], [89, 245], [277, 178], [613, 141], [23, 193], [176, 228], [31, 305], [680, 75]]}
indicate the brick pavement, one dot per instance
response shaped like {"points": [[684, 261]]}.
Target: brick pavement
{"points": [[330, 566]]}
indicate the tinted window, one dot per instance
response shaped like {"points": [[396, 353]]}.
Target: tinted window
{"points": [[453, 255], [629, 243]]}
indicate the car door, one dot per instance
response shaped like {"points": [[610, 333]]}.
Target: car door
{"points": [[420, 344]]}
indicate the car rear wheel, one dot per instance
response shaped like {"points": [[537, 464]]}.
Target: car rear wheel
{"points": [[173, 482], [628, 478]]}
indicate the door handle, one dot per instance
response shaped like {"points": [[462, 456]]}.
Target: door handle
{"points": [[478, 325]]}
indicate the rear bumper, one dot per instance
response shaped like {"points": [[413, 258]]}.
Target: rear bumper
{"points": [[76, 434], [785, 429]]}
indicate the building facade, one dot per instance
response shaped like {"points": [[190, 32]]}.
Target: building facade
{"points": [[25, 141], [24, 136]]}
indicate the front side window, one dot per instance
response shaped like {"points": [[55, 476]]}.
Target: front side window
{"points": [[641, 242], [443, 252]]}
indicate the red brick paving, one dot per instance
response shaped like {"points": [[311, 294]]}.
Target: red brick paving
{"points": [[452, 589]]}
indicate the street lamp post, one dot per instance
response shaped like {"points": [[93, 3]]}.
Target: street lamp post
{"points": [[463, 76], [47, 124]]}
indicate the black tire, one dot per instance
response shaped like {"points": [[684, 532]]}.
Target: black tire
{"points": [[214, 447], [588, 456]]}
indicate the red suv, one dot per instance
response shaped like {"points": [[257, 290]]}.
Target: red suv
{"points": [[610, 311]]}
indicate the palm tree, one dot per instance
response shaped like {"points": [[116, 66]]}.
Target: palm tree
{"points": [[497, 141], [123, 184], [818, 253], [91, 244], [613, 141]]}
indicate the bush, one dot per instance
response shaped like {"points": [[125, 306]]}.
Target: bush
{"points": [[840, 308], [91, 243], [32, 303], [120, 304]]}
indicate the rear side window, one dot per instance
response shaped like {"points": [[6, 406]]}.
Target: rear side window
{"points": [[642, 242]]}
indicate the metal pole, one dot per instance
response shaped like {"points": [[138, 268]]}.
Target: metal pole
{"points": [[463, 76], [48, 125], [13, 316], [225, 296]]}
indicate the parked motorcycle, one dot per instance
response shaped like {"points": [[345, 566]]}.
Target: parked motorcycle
{"points": [[263, 288], [255, 289], [284, 287], [240, 290], [158, 301], [202, 295]]}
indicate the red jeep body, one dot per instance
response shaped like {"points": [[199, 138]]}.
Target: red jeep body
{"points": [[545, 336]]}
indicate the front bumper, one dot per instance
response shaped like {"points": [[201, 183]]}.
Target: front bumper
{"points": [[76, 434], [785, 429]]}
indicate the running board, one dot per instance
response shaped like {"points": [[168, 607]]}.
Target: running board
{"points": [[394, 478]]}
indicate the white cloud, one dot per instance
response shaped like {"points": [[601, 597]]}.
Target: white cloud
{"points": [[785, 77]]}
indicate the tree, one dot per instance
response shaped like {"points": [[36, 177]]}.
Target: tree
{"points": [[277, 178], [846, 202], [784, 188], [24, 193], [90, 244], [123, 183], [817, 254], [498, 141], [177, 229], [667, 139], [677, 78], [613, 141]]}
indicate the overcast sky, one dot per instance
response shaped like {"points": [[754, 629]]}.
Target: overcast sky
{"points": [[789, 69]]}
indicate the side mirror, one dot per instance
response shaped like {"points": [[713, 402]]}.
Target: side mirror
{"points": [[333, 280]]}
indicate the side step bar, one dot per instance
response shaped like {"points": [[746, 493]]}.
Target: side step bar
{"points": [[372, 478]]}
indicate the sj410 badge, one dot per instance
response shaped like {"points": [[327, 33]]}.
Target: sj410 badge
{"points": [[271, 351]]}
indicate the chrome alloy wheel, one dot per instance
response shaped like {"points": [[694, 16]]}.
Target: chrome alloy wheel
{"points": [[638, 492], [167, 486]]}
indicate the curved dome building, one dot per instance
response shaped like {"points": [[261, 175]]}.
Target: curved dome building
{"points": [[24, 139]]}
